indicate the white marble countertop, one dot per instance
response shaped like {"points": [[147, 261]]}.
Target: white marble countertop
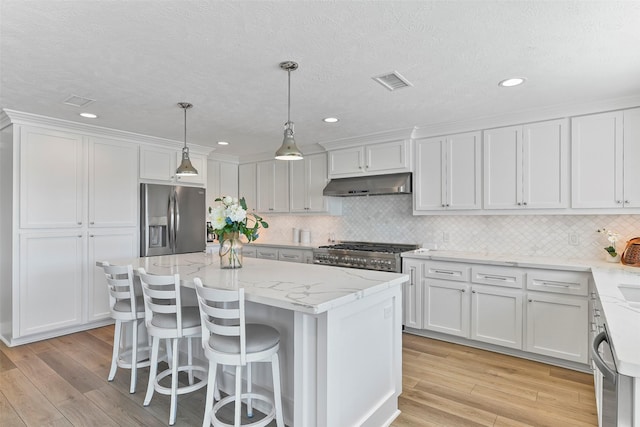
{"points": [[622, 318], [300, 287]]}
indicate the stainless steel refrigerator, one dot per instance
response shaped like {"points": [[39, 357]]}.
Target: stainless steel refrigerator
{"points": [[173, 219]]}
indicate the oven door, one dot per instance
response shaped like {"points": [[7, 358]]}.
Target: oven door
{"points": [[616, 389]]}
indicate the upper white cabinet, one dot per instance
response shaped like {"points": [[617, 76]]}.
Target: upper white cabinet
{"points": [[247, 185], [380, 158], [272, 186], [526, 166], [447, 172], [307, 179], [605, 153], [222, 180], [52, 178], [160, 164], [113, 174]]}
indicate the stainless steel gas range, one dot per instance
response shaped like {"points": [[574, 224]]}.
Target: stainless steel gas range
{"points": [[364, 255]]}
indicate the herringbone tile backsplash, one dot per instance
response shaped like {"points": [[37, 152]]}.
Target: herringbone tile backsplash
{"points": [[389, 219]]}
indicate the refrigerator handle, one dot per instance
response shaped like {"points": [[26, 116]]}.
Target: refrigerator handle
{"points": [[176, 213], [171, 215]]}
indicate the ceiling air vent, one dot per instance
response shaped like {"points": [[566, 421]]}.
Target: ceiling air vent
{"points": [[78, 101], [392, 81]]}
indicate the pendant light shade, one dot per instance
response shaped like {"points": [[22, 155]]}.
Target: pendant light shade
{"points": [[288, 150], [185, 168]]}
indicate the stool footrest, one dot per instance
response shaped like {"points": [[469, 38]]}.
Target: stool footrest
{"points": [[231, 398], [125, 358], [181, 389]]}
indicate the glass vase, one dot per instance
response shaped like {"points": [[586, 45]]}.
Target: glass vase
{"points": [[231, 251]]}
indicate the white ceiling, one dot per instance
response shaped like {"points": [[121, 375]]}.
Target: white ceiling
{"points": [[137, 59]]}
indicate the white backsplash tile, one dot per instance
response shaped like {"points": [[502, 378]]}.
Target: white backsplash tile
{"points": [[389, 219]]}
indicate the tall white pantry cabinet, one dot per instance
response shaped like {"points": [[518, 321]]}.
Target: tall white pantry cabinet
{"points": [[68, 200]]}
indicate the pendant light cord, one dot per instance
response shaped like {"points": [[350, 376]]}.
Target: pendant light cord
{"points": [[289, 98], [185, 128]]}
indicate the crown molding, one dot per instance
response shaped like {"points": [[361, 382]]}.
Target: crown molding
{"points": [[391, 135], [29, 119], [527, 116]]}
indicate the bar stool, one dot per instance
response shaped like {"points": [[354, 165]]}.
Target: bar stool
{"points": [[126, 309], [228, 340], [166, 318]]}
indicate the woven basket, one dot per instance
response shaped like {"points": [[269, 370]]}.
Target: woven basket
{"points": [[631, 254]]}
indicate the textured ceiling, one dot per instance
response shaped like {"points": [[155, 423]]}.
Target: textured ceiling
{"points": [[137, 59]]}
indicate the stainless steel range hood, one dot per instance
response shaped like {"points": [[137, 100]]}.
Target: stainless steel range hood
{"points": [[376, 185]]}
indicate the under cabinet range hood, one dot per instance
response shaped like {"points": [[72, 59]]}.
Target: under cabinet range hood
{"points": [[375, 185]]}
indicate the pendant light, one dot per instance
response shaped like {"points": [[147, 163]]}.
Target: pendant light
{"points": [[288, 150], [185, 168]]}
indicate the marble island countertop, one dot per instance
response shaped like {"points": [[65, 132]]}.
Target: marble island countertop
{"points": [[621, 317], [300, 287]]}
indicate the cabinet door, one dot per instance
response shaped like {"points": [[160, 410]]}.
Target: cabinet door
{"points": [[412, 295], [429, 177], [105, 245], [502, 168], [387, 157], [273, 186], [496, 316], [157, 163], [298, 186], [557, 326], [346, 162], [596, 161], [113, 179], [545, 169], [50, 287], [463, 168], [247, 185], [446, 307], [200, 163], [316, 178], [631, 156], [229, 179], [52, 179]]}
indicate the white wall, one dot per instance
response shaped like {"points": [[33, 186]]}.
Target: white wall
{"points": [[388, 219]]}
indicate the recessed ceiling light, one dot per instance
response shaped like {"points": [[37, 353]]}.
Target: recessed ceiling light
{"points": [[331, 120], [89, 115], [512, 82], [223, 143]]}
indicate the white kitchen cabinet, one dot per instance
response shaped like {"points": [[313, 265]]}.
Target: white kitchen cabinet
{"points": [[113, 174], [557, 326], [446, 307], [412, 294], [496, 315], [307, 179], [50, 275], [604, 158], [267, 252], [371, 159], [291, 255], [157, 163], [160, 164], [526, 166], [52, 178], [222, 180], [280, 253], [447, 172], [247, 185], [272, 186], [249, 251], [105, 245]]}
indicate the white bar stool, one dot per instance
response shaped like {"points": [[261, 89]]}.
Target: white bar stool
{"points": [[228, 340], [126, 309], [166, 318]]}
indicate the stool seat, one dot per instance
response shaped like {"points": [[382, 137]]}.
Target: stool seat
{"points": [[124, 305], [259, 338], [190, 318], [228, 340]]}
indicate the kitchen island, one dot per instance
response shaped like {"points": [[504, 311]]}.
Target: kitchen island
{"points": [[341, 343]]}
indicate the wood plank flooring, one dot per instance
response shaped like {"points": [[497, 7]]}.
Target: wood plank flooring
{"points": [[62, 382]]}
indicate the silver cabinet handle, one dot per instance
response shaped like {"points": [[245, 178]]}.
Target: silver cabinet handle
{"points": [[485, 276], [443, 272], [79, 222], [627, 202], [618, 201]]}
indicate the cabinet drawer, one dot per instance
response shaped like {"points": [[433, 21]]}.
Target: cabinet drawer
{"points": [[291, 255], [267, 253], [447, 271], [249, 251], [562, 282], [497, 276]]}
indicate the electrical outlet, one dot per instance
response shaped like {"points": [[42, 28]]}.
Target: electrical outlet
{"points": [[574, 240]]}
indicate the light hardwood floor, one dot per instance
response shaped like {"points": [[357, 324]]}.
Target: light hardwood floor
{"points": [[62, 382]]}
